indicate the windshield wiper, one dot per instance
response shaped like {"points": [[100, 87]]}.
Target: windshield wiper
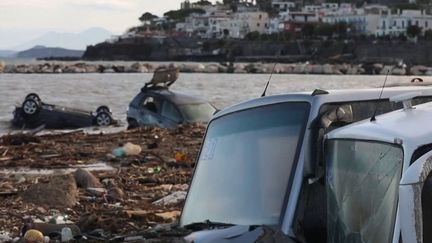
{"points": [[206, 224]]}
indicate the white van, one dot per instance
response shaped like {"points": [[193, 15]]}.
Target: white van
{"points": [[262, 163], [378, 178]]}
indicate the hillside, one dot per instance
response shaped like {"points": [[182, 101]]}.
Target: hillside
{"points": [[47, 52]]}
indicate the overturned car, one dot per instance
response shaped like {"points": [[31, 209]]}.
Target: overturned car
{"points": [[33, 113]]}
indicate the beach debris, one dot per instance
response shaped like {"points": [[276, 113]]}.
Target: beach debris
{"points": [[19, 139], [172, 199], [120, 203], [115, 194], [52, 230]]}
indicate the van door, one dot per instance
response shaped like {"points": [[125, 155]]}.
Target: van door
{"points": [[415, 198]]}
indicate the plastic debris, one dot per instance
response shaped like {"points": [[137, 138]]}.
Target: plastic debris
{"points": [[180, 157], [34, 236], [66, 234], [127, 150]]}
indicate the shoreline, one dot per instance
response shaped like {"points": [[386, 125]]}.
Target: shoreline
{"points": [[193, 67]]}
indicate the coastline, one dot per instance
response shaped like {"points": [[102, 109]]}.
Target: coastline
{"points": [[57, 67]]}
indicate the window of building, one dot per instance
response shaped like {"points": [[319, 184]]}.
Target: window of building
{"points": [[403, 24], [394, 23], [426, 24], [258, 24], [417, 23]]}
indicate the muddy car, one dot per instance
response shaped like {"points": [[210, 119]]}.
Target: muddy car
{"points": [[161, 107], [34, 112]]}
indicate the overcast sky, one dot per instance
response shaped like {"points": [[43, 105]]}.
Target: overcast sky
{"points": [[23, 20]]}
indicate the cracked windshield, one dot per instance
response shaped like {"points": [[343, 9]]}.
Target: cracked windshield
{"points": [[362, 190]]}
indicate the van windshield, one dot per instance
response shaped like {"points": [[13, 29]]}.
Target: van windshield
{"points": [[245, 165], [362, 190]]}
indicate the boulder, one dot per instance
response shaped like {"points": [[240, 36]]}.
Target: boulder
{"points": [[192, 68], [211, 68], [137, 68], [24, 68], [86, 179], [327, 69], [307, 69], [419, 70], [341, 68], [59, 192], [299, 68], [285, 68], [353, 70], [399, 71], [385, 69], [9, 68], [317, 69], [239, 68], [2, 66]]}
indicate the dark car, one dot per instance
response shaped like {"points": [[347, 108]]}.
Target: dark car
{"points": [[160, 107], [33, 113]]}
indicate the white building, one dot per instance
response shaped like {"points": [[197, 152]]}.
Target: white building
{"points": [[283, 5], [397, 24], [277, 24], [245, 22]]}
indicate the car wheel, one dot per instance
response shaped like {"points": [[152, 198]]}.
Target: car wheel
{"points": [[103, 108], [132, 123], [33, 96], [30, 107], [103, 118]]}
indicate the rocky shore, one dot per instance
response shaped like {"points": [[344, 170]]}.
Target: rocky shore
{"points": [[282, 68]]}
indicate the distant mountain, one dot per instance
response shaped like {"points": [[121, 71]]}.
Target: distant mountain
{"points": [[7, 53], [75, 41], [46, 52]]}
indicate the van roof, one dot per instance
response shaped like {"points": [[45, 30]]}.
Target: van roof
{"points": [[330, 97], [412, 126]]}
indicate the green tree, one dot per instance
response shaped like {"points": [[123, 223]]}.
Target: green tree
{"points": [[147, 17], [308, 30], [413, 31], [181, 14], [325, 29], [428, 35], [203, 3], [341, 28], [255, 35]]}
